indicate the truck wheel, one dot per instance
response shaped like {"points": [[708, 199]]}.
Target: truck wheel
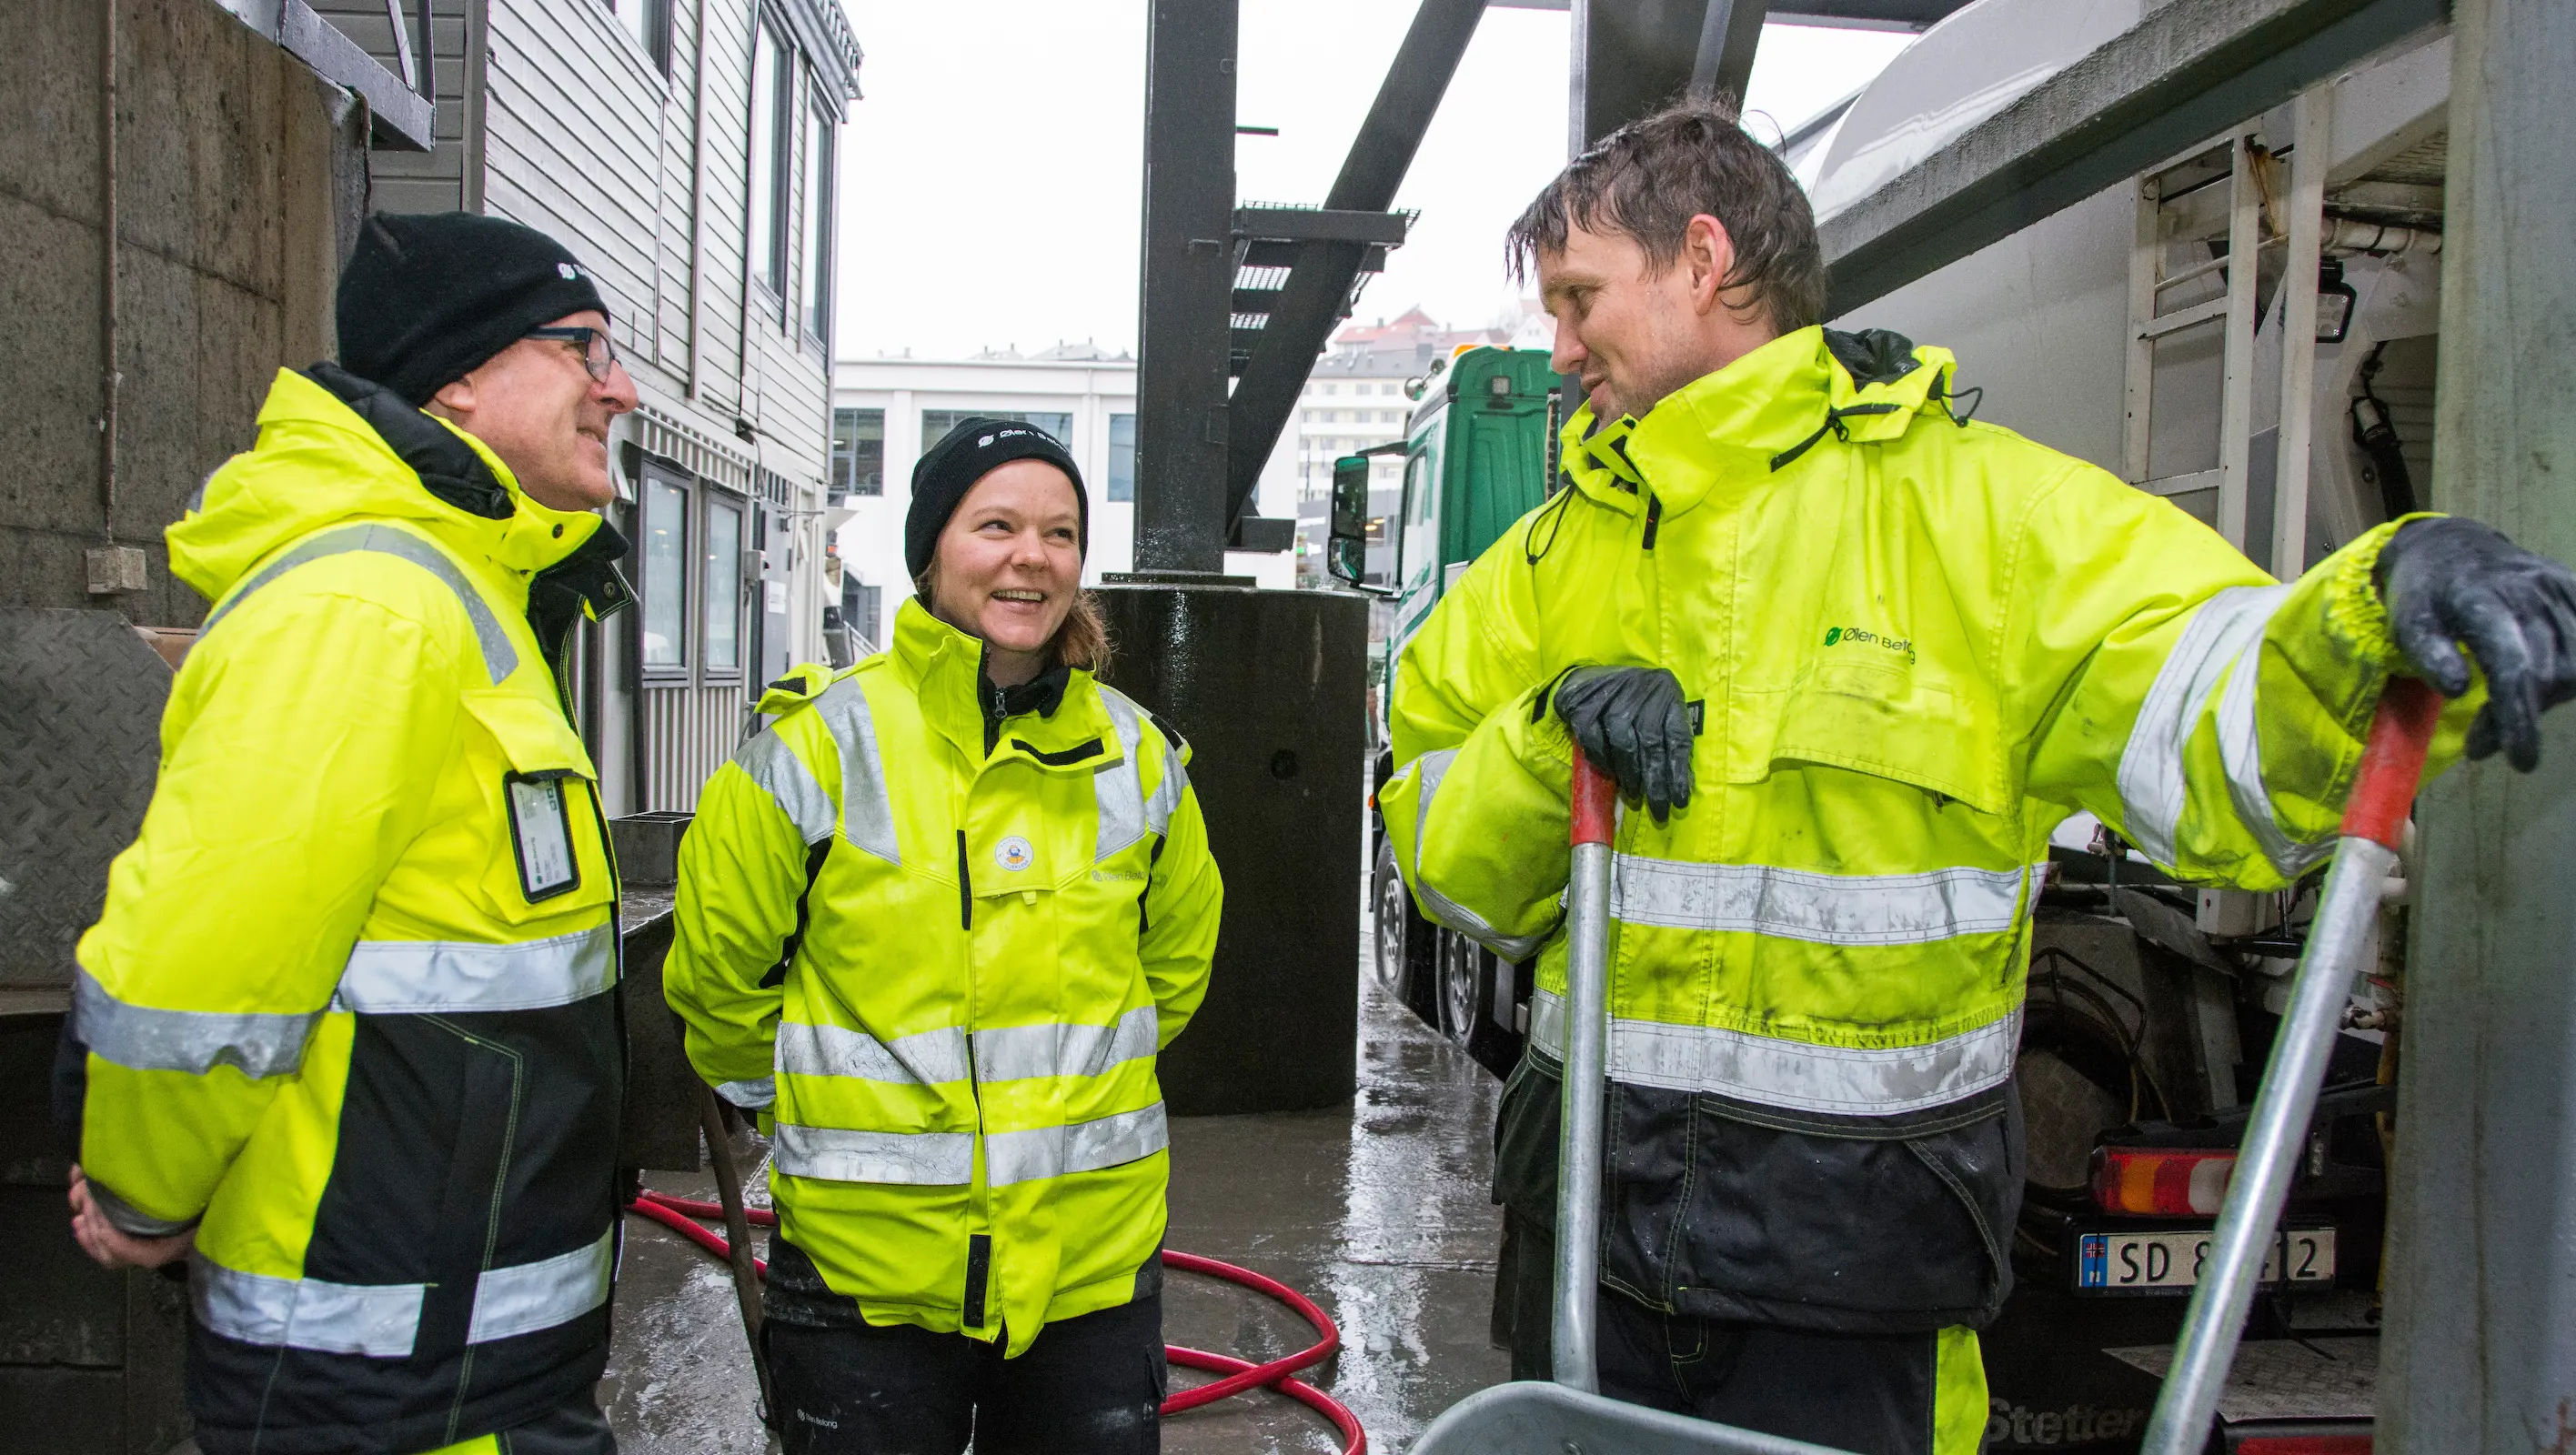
{"points": [[1404, 938], [1466, 981]]}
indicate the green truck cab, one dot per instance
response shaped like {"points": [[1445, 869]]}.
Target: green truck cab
{"points": [[1479, 453]]}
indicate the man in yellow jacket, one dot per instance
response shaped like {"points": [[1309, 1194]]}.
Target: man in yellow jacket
{"points": [[1850, 657], [347, 1022]]}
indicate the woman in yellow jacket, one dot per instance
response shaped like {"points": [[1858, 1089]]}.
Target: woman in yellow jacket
{"points": [[934, 926]]}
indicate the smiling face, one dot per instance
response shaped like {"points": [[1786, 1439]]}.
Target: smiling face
{"points": [[1008, 566], [1636, 333], [535, 404]]}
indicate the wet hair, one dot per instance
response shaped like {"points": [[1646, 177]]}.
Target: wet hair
{"points": [[1082, 641], [1648, 179]]}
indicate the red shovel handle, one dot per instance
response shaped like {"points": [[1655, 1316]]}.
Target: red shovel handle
{"points": [[2392, 762], [1596, 802]]}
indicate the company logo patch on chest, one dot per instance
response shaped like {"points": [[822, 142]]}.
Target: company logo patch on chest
{"points": [[1014, 853], [1863, 636]]}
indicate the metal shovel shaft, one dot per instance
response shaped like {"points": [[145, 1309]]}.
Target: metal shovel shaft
{"points": [[1587, 1036], [2376, 817]]}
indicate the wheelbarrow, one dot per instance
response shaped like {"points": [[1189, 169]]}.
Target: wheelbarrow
{"points": [[1570, 1416], [2374, 823]]}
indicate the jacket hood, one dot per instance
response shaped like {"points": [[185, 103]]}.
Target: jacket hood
{"points": [[1735, 428], [334, 447]]}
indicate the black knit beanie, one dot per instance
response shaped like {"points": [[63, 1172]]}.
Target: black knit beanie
{"points": [[966, 454], [427, 298]]}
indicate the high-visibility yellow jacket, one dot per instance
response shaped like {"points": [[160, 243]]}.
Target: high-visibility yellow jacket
{"points": [[1913, 645], [940, 951], [349, 1001]]}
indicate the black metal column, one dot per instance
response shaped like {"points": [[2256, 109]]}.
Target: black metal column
{"points": [[1187, 286], [1632, 57]]}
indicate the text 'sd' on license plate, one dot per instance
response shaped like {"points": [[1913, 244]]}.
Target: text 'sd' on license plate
{"points": [[2152, 1262]]}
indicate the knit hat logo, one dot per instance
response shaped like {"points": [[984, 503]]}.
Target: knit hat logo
{"points": [[568, 270]]}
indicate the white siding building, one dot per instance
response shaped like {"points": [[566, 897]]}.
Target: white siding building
{"points": [[685, 153], [886, 411]]}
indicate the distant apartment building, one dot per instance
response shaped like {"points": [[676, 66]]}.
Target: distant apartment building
{"points": [[686, 152], [886, 411], [1355, 400]]}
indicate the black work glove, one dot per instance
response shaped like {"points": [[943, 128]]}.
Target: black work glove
{"points": [[1633, 725], [2451, 582]]}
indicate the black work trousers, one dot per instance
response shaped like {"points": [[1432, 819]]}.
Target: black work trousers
{"points": [[1873, 1394], [1091, 1385]]}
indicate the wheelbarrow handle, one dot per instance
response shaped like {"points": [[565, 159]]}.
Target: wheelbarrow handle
{"points": [[1587, 1033], [2374, 822]]}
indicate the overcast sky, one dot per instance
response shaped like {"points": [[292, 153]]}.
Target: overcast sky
{"points": [[990, 179]]}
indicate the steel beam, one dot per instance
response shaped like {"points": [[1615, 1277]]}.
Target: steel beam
{"points": [[2184, 73], [1729, 33], [404, 120], [1188, 277], [2480, 1354], [1632, 57], [1317, 292]]}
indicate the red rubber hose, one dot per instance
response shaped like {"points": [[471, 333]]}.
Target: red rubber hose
{"points": [[1239, 1375]]}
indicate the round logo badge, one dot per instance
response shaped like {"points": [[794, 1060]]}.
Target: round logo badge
{"points": [[1014, 853]]}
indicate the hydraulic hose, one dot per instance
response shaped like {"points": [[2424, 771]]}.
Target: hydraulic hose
{"points": [[681, 1215]]}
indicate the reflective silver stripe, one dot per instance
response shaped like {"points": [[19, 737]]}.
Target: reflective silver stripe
{"points": [[1796, 1075], [1117, 788], [1432, 767], [923, 1059], [867, 814], [532, 1296], [379, 1320], [1082, 1147], [1831, 909], [751, 1095], [414, 977], [144, 1038], [837, 1154], [500, 659], [1014, 1053], [2152, 790], [769, 762], [2240, 752]]}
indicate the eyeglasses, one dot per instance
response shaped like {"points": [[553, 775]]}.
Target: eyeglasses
{"points": [[598, 355]]}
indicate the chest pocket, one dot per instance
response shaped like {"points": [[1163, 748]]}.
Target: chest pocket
{"points": [[1897, 719], [543, 802]]}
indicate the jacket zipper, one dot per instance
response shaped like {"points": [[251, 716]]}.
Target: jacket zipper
{"points": [[979, 1246]]}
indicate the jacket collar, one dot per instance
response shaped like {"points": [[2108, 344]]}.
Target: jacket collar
{"points": [[1722, 433], [461, 471], [1054, 719]]}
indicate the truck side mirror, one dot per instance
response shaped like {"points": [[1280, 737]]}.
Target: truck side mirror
{"points": [[1346, 554]]}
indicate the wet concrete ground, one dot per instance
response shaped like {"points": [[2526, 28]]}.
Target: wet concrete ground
{"points": [[1378, 1212]]}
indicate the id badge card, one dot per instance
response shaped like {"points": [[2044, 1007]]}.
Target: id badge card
{"points": [[541, 833]]}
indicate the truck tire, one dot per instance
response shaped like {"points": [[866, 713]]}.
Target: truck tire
{"points": [[1405, 942], [1466, 986]]}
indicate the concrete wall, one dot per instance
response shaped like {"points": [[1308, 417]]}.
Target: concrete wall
{"points": [[239, 180]]}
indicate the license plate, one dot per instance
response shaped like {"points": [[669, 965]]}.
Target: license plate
{"points": [[2155, 1262]]}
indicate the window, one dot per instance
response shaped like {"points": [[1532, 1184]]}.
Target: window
{"points": [[649, 22], [936, 423], [860, 606], [818, 223], [666, 573], [720, 628], [767, 231], [1122, 457], [858, 452]]}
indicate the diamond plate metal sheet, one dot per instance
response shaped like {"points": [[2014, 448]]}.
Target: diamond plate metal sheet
{"points": [[80, 727]]}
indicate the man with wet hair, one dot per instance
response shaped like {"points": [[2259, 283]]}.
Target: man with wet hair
{"points": [[1850, 656]]}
